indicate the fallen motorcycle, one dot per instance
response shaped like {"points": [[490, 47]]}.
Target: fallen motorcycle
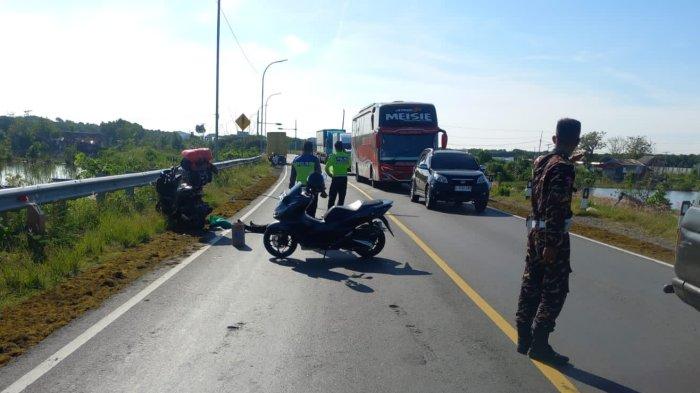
{"points": [[181, 188], [358, 227]]}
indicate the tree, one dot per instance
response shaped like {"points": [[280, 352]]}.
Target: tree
{"points": [[616, 145], [592, 141], [638, 146]]}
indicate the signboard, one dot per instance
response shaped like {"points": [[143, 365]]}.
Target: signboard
{"points": [[398, 115], [243, 121]]}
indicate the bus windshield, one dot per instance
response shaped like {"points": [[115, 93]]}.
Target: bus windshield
{"points": [[405, 147], [453, 161]]}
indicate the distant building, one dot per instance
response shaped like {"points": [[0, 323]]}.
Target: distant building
{"points": [[657, 164], [184, 135], [506, 159], [242, 133], [616, 169]]}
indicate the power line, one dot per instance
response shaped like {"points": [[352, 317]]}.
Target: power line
{"points": [[487, 129], [237, 42]]}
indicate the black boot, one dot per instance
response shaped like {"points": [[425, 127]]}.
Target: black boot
{"points": [[542, 351], [524, 338]]}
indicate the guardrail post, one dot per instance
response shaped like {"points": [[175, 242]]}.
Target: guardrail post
{"points": [[584, 198], [36, 219], [129, 192], [528, 190]]}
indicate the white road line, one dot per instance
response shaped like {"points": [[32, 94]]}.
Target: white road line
{"points": [[44, 367], [599, 242]]}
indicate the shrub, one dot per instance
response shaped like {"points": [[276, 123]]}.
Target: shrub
{"points": [[503, 190]]}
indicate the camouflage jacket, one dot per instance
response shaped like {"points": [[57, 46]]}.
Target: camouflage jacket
{"points": [[552, 186]]}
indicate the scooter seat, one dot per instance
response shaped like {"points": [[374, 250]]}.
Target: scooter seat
{"points": [[337, 213]]}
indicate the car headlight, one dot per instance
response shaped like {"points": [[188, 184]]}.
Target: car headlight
{"points": [[440, 178], [481, 179]]}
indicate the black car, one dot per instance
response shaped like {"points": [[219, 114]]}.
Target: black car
{"points": [[449, 175]]}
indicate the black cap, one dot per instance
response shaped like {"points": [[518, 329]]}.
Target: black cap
{"points": [[568, 129], [308, 147]]}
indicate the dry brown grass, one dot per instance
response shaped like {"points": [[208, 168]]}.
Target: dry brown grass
{"points": [[616, 239], [25, 324]]}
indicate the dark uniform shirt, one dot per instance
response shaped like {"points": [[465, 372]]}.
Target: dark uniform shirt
{"points": [[546, 284], [302, 167], [553, 184]]}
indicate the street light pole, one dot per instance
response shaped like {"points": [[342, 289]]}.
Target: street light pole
{"points": [[216, 116], [262, 89], [266, 101]]}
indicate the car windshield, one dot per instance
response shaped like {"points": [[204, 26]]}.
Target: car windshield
{"points": [[453, 161], [405, 147]]}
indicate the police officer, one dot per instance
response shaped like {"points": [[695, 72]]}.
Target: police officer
{"points": [[337, 167], [545, 282], [302, 166]]}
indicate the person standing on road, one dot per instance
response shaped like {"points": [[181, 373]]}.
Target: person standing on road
{"points": [[302, 166], [337, 168], [545, 282]]}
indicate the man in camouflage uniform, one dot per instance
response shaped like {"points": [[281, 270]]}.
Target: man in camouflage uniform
{"points": [[545, 282]]}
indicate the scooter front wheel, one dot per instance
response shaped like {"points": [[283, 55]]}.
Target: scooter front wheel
{"points": [[279, 242]]}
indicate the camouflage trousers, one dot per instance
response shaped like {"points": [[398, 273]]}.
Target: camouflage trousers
{"points": [[544, 285]]}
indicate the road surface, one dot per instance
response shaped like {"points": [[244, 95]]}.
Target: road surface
{"points": [[432, 314]]}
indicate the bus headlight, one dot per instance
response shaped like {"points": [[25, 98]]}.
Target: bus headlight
{"points": [[481, 179]]}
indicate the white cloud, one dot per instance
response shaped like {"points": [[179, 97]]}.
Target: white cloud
{"points": [[296, 45]]}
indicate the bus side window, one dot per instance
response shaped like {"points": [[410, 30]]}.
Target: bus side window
{"points": [[372, 121]]}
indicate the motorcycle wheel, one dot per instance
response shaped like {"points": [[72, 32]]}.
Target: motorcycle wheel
{"points": [[377, 246], [279, 243]]}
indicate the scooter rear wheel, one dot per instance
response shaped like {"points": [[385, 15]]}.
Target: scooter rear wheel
{"points": [[279, 242], [377, 245]]}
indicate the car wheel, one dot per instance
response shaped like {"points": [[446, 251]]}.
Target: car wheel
{"points": [[429, 198], [414, 196], [480, 205]]}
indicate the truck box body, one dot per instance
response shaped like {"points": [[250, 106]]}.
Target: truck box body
{"points": [[277, 143], [324, 142]]}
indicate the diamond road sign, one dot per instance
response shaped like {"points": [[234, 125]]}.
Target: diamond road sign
{"points": [[243, 121]]}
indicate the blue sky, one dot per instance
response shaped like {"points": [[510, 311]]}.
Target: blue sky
{"points": [[498, 72]]}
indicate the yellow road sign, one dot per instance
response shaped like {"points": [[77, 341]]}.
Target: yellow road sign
{"points": [[243, 121]]}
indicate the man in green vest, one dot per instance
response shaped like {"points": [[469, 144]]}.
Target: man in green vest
{"points": [[302, 166], [337, 167]]}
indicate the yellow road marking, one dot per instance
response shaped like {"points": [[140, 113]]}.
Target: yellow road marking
{"points": [[559, 380]]}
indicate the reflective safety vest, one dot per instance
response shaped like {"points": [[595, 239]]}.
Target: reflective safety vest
{"points": [[303, 169], [338, 163]]}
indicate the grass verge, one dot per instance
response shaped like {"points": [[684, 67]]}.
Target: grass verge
{"points": [[119, 249], [647, 224]]}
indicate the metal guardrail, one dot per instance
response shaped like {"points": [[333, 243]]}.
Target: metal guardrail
{"points": [[20, 197]]}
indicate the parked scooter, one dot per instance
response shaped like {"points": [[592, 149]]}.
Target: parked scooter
{"points": [[180, 190], [358, 227]]}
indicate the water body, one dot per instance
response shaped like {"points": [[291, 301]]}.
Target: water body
{"points": [[676, 197], [36, 173]]}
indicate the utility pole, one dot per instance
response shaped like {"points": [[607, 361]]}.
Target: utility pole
{"points": [[216, 117], [342, 125], [295, 134], [539, 149]]}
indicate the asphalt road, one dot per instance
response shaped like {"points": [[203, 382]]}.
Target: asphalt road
{"points": [[229, 320]]}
